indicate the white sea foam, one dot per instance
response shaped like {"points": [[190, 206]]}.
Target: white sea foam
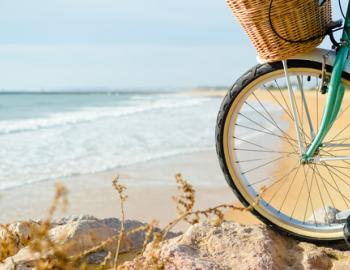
{"points": [[97, 136], [89, 114], [94, 138]]}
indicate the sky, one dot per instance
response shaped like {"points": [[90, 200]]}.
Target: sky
{"points": [[73, 44]]}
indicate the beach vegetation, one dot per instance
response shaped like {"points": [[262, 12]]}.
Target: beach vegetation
{"points": [[48, 254]]}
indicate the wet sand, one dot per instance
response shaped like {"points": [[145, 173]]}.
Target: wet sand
{"points": [[150, 187]]}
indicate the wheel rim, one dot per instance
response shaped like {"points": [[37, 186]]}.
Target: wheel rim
{"points": [[260, 150]]}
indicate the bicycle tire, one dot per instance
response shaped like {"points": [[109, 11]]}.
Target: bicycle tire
{"points": [[237, 91]]}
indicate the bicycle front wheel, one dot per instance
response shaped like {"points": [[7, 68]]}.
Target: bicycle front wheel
{"points": [[258, 149]]}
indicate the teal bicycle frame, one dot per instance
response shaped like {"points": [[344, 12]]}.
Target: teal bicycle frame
{"points": [[335, 93]]}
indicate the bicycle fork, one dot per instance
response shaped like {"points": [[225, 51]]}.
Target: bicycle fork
{"points": [[294, 108], [333, 104], [334, 100]]}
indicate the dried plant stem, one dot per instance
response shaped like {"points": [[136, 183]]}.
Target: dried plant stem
{"points": [[117, 251], [53, 255], [186, 203], [120, 188], [149, 230], [60, 194], [95, 248]]}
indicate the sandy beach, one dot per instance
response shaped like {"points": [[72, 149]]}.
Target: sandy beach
{"points": [[93, 194], [322, 182], [150, 188], [151, 185], [209, 92]]}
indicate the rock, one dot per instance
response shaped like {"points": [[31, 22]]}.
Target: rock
{"points": [[79, 234], [85, 233], [203, 246], [324, 215], [17, 234], [9, 243], [23, 260], [96, 258], [343, 215], [70, 219], [234, 246], [23, 230], [82, 235], [315, 258]]}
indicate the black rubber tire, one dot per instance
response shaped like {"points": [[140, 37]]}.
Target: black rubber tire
{"points": [[239, 85]]}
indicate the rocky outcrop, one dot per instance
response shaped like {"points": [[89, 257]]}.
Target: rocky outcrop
{"points": [[83, 233], [17, 235], [234, 246], [228, 245], [78, 234]]}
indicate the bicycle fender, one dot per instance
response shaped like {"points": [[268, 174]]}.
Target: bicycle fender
{"points": [[316, 56]]}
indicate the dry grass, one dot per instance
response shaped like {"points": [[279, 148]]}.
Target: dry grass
{"points": [[184, 206], [8, 243], [52, 255]]}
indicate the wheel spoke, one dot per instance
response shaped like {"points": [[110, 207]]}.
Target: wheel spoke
{"points": [[290, 185], [288, 113], [263, 165], [273, 120], [267, 130], [317, 122], [268, 133], [273, 123], [277, 181], [335, 169], [299, 193], [262, 151], [264, 141], [309, 188], [321, 197], [335, 183], [334, 188], [283, 182], [258, 145]]}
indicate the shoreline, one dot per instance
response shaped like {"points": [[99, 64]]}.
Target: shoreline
{"points": [[122, 167], [93, 194], [205, 92], [20, 169], [150, 187]]}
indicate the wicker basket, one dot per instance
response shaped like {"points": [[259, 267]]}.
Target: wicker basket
{"points": [[296, 26]]}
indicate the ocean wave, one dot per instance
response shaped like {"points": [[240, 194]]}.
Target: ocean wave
{"points": [[92, 168], [109, 163], [89, 114]]}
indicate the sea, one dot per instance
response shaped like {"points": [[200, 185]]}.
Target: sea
{"points": [[50, 135]]}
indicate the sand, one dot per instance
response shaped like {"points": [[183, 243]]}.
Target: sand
{"points": [[299, 198], [151, 186], [209, 92], [93, 194], [296, 196]]}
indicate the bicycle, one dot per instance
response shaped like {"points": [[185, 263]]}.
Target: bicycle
{"points": [[283, 141]]}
